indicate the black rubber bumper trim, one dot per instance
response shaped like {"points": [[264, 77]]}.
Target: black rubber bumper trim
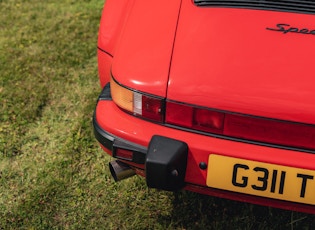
{"points": [[111, 142], [105, 94], [103, 137]]}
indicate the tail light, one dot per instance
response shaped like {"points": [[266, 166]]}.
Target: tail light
{"points": [[265, 130], [137, 103], [194, 118], [240, 126]]}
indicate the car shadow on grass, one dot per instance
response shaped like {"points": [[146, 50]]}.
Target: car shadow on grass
{"points": [[196, 211]]}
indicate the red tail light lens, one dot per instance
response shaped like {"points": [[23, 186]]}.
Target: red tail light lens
{"points": [[270, 131], [252, 128], [137, 103], [179, 114], [123, 154], [152, 108], [194, 118], [208, 120]]}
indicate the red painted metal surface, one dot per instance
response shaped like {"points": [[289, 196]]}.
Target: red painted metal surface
{"points": [[225, 58], [112, 22], [212, 57], [104, 66], [143, 57]]}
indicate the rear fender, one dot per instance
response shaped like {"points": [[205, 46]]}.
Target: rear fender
{"points": [[114, 16]]}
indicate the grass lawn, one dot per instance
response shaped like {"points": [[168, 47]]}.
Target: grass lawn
{"points": [[53, 175]]}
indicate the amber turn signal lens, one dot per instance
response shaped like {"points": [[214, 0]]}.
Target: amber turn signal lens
{"points": [[137, 103], [121, 96]]}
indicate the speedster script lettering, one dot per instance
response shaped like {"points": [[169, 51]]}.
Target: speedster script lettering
{"points": [[264, 178], [287, 28]]}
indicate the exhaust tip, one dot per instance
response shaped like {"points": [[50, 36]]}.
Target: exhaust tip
{"points": [[120, 170]]}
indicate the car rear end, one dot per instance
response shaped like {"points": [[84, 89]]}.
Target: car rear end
{"points": [[211, 96]]}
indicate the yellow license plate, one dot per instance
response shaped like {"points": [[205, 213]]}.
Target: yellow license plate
{"points": [[261, 179]]}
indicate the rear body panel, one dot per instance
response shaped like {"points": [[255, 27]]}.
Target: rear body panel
{"points": [[253, 62], [226, 58]]}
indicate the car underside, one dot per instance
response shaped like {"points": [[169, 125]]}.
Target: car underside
{"points": [[216, 97]]}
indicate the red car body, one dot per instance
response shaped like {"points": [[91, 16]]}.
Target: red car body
{"points": [[213, 97]]}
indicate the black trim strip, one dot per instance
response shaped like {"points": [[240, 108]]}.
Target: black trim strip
{"points": [[112, 142], [105, 94], [296, 6], [137, 91], [103, 137], [105, 51]]}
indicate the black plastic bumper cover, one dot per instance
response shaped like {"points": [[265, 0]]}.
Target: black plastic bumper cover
{"points": [[166, 163]]}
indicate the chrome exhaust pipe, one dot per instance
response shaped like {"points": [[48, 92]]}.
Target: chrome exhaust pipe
{"points": [[120, 170]]}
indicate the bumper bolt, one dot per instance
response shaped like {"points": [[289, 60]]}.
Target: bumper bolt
{"points": [[203, 165], [174, 173]]}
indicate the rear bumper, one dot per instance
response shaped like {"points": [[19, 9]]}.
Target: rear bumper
{"points": [[164, 160], [115, 129]]}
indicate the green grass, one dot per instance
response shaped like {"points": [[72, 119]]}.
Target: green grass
{"points": [[53, 175]]}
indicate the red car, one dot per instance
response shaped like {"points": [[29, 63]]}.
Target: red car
{"points": [[216, 97]]}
